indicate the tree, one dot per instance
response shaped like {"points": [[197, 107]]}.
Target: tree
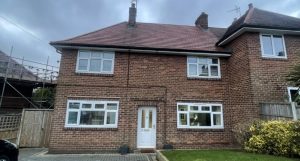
{"points": [[44, 97]]}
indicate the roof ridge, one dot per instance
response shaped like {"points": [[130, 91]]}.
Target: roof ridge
{"points": [[248, 15], [92, 32]]}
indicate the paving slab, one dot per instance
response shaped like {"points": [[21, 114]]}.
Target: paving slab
{"points": [[38, 154]]}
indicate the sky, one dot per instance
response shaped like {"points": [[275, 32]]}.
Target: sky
{"points": [[29, 25]]}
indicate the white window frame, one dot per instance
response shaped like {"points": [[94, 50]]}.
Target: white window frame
{"points": [[199, 111], [289, 92], [273, 49], [89, 60], [209, 70], [105, 125]]}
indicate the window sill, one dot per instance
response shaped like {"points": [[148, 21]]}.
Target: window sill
{"points": [[94, 74], [274, 58], [205, 78], [90, 129], [200, 130]]}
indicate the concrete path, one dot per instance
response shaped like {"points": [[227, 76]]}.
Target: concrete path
{"points": [[37, 154]]}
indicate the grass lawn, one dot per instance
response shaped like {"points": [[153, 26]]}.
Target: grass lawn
{"points": [[220, 155]]}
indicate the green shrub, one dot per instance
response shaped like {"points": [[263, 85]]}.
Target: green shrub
{"points": [[274, 137]]}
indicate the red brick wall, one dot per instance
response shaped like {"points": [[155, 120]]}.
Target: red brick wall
{"points": [[155, 80]]}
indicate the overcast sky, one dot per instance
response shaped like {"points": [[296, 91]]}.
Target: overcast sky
{"points": [[50, 20]]}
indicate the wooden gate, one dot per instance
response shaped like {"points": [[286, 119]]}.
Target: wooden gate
{"points": [[35, 128]]}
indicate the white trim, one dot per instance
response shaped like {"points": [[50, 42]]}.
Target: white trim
{"points": [[273, 47], [209, 65], [250, 29], [289, 92], [145, 51], [199, 111], [92, 102], [89, 59]]}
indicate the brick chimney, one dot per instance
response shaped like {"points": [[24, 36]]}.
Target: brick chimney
{"points": [[202, 21], [132, 15], [250, 5]]}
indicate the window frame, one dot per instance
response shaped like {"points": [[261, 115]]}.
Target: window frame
{"points": [[273, 49], [289, 92], [89, 60], [93, 102], [189, 111], [209, 70]]}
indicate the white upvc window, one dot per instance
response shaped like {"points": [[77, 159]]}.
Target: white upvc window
{"points": [[95, 62], [293, 92], [200, 116], [272, 46], [92, 114], [203, 67]]}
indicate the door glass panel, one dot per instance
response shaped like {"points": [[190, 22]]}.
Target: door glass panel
{"points": [[143, 119], [150, 119]]}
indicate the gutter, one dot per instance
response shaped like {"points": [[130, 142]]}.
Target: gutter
{"points": [[240, 31], [144, 50]]}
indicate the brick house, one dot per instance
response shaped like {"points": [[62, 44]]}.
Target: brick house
{"points": [[146, 85]]}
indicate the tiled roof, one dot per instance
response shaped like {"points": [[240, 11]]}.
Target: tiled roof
{"points": [[149, 35], [263, 19]]}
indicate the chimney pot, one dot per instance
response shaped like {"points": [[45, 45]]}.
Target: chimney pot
{"points": [[132, 15], [250, 5], [202, 21]]}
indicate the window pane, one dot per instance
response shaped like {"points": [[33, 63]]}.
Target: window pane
{"points": [[72, 118], [267, 45], [214, 71], [294, 94], [217, 119], [107, 65], [74, 105], [95, 65], [92, 118], [216, 108], [278, 46], [84, 54], [215, 61], [182, 107], [83, 64], [150, 119], [200, 119], [96, 55], [182, 119], [143, 118], [111, 118], [203, 70], [192, 60], [108, 55], [194, 108], [85, 105], [203, 60], [192, 69], [99, 106], [205, 108], [112, 106]]}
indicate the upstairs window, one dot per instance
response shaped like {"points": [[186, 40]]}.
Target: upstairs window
{"points": [[203, 67], [95, 62], [272, 46]]}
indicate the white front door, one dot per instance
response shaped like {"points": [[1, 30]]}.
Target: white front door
{"points": [[146, 131]]}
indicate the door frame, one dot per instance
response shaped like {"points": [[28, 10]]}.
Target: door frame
{"points": [[137, 129]]}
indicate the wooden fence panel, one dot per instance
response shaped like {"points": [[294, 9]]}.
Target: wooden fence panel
{"points": [[35, 128], [276, 111], [9, 126]]}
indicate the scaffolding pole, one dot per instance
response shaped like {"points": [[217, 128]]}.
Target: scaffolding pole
{"points": [[5, 78]]}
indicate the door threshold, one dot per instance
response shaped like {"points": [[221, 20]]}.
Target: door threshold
{"points": [[146, 150]]}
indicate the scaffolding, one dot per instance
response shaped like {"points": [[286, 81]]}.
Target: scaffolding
{"points": [[23, 70]]}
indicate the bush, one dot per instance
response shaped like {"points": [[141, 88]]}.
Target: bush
{"points": [[242, 133], [274, 137]]}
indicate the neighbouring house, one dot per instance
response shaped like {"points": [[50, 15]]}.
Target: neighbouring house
{"points": [[20, 81], [146, 85]]}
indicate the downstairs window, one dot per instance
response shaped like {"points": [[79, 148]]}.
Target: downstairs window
{"points": [[94, 114], [199, 115]]}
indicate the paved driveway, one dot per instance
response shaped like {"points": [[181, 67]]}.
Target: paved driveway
{"points": [[40, 155]]}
